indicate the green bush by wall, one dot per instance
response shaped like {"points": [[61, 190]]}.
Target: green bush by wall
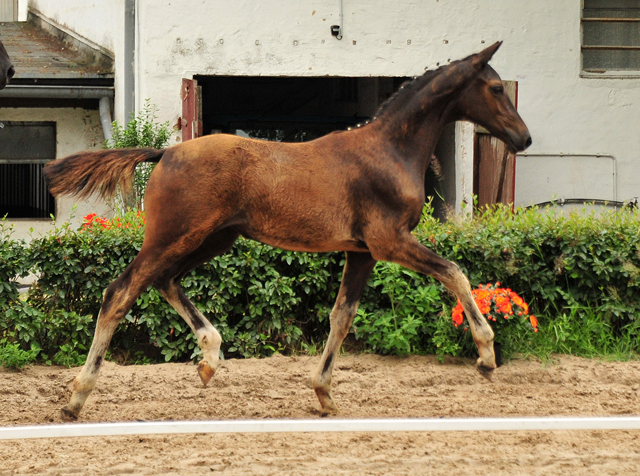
{"points": [[263, 299]]}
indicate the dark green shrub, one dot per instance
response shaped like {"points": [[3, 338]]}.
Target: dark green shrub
{"points": [[581, 269], [261, 299], [584, 263], [12, 356], [12, 265], [552, 261], [399, 311]]}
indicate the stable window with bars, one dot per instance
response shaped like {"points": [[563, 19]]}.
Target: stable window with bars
{"points": [[26, 148], [611, 36]]}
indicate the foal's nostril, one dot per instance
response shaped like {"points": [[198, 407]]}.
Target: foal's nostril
{"points": [[11, 72], [528, 142]]}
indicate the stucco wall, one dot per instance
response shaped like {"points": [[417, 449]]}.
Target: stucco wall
{"points": [[76, 129], [100, 21], [566, 113]]}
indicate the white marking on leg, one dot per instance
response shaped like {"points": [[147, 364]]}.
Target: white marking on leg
{"points": [[209, 339], [341, 318], [480, 328], [86, 380]]}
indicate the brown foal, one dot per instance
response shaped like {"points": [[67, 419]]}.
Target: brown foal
{"points": [[359, 191]]}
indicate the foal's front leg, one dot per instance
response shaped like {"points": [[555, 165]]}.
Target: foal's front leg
{"points": [[356, 272], [408, 252]]}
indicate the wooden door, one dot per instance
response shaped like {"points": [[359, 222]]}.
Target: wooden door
{"points": [[494, 167], [191, 121]]}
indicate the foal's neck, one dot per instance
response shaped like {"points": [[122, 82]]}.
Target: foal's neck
{"points": [[415, 131]]}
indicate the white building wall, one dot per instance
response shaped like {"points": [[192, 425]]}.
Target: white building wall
{"points": [[567, 114], [76, 129], [101, 22], [97, 20]]}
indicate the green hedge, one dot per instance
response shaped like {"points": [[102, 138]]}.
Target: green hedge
{"points": [[12, 265], [263, 299], [553, 261]]}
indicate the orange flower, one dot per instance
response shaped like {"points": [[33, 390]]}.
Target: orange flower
{"points": [[493, 302], [457, 315], [481, 294], [506, 309], [517, 300]]}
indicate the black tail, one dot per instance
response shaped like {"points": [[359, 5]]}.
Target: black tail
{"points": [[100, 172]]}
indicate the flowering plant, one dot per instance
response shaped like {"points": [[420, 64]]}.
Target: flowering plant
{"points": [[130, 220], [498, 305]]}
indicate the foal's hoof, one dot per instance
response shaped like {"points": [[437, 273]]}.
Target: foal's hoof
{"points": [[327, 405], [329, 410], [484, 369], [67, 415], [205, 372]]}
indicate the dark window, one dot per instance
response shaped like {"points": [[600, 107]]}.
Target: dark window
{"points": [[611, 35], [26, 148]]}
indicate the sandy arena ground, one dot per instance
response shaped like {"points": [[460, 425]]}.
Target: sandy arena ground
{"points": [[365, 386]]}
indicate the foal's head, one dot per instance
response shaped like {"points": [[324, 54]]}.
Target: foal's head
{"points": [[483, 101]]}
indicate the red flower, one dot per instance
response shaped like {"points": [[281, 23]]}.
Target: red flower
{"points": [[457, 315], [93, 220]]}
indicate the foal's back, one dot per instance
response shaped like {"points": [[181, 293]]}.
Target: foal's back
{"points": [[296, 196]]}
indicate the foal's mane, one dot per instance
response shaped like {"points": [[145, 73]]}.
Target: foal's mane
{"points": [[408, 90]]}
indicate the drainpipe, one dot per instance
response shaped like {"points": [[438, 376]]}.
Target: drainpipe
{"points": [[129, 59], [56, 92], [103, 93], [105, 117]]}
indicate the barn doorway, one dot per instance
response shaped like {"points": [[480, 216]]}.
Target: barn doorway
{"points": [[291, 109], [297, 109]]}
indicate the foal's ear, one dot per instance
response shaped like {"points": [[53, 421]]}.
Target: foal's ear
{"points": [[481, 59], [460, 72]]}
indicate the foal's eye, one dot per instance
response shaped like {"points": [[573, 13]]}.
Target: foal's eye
{"points": [[497, 90]]}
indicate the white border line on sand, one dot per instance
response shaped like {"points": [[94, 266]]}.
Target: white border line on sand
{"points": [[324, 425]]}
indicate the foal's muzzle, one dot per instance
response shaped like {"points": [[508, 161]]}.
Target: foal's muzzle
{"points": [[518, 142]]}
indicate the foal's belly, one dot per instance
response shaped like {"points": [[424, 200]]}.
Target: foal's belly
{"points": [[306, 242]]}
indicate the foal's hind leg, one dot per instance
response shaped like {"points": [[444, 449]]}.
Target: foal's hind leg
{"points": [[119, 297], [208, 337], [356, 272]]}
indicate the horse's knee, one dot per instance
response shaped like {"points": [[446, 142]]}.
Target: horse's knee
{"points": [[455, 280]]}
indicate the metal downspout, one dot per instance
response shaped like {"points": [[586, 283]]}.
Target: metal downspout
{"points": [[129, 58], [103, 94], [105, 118]]}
